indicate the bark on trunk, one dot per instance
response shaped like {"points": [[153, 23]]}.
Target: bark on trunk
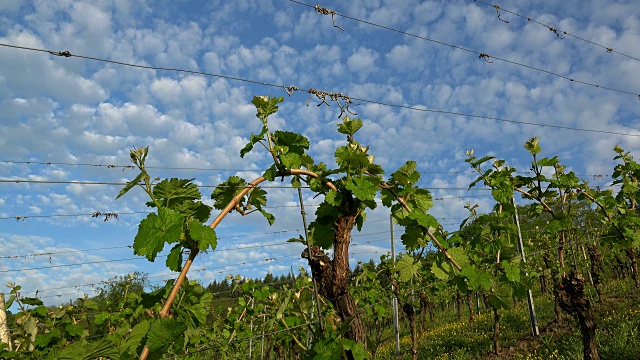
{"points": [[332, 276], [570, 294], [596, 268], [544, 288], [411, 315], [425, 307]]}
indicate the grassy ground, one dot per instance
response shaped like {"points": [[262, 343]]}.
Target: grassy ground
{"points": [[617, 318]]}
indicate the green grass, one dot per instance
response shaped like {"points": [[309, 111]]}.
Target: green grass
{"points": [[617, 319]]}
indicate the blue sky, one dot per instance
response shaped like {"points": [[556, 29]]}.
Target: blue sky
{"points": [[79, 111]]}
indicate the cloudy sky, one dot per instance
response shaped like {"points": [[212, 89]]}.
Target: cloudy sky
{"points": [[64, 119]]}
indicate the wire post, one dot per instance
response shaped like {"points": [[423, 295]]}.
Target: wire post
{"points": [[394, 299], [4, 329], [306, 236], [532, 310]]}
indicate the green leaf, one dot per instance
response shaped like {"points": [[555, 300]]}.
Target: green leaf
{"points": [[548, 162], [333, 198], [475, 163], [295, 143], [477, 279], [512, 271], [351, 158], [252, 141], [82, 350], [460, 256], [357, 350], [291, 160], [174, 259], [270, 173], [423, 219], [498, 302], [270, 218], [31, 301], [266, 106], [101, 318], [156, 230], [413, 236], [135, 337], [532, 145], [321, 235], [422, 199], [406, 174], [407, 268], [73, 329], [44, 339], [131, 184], [172, 192], [225, 192], [363, 188], [204, 235], [349, 126], [360, 219], [163, 332], [257, 197]]}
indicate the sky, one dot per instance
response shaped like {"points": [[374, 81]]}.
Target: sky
{"points": [[71, 119]]}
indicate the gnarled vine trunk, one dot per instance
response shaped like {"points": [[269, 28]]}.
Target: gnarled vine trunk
{"points": [[332, 276], [570, 295], [596, 268], [496, 331], [411, 315], [470, 305]]}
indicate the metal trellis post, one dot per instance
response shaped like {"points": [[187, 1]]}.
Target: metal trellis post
{"points": [[532, 310]]}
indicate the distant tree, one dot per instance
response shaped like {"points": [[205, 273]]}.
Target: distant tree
{"points": [[118, 287]]}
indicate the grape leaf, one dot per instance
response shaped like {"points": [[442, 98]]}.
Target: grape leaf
{"points": [[476, 279], [175, 191], [406, 174], [364, 188], [333, 198], [321, 235], [225, 192], [296, 143], [73, 329], [163, 332], [407, 268], [174, 259], [156, 230], [204, 235], [82, 350], [350, 126], [131, 184]]}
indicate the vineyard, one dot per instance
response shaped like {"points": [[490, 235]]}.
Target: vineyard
{"points": [[492, 264], [279, 180]]}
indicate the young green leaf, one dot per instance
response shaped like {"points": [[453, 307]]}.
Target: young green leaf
{"points": [[131, 184], [349, 126], [174, 259], [204, 235], [408, 268], [156, 230], [163, 332], [174, 191]]}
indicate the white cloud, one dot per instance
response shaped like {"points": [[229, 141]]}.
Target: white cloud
{"points": [[363, 62]]}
